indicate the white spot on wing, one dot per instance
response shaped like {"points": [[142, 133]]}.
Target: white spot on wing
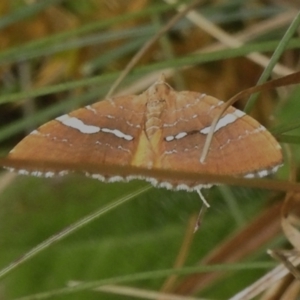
{"points": [[239, 113], [77, 124], [224, 121], [37, 173], [153, 181], [63, 173], [124, 149], [250, 175], [116, 179], [34, 132], [169, 138], [10, 169], [23, 172], [170, 152], [275, 169], [96, 176], [118, 133], [166, 185], [49, 174], [88, 107], [242, 136], [214, 106], [263, 172], [180, 135], [133, 125]]}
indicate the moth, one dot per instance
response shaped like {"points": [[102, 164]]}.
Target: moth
{"points": [[160, 129]]}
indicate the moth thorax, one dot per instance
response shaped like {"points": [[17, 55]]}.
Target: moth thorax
{"points": [[153, 121]]}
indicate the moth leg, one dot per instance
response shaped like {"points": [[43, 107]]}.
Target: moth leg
{"points": [[202, 211]]}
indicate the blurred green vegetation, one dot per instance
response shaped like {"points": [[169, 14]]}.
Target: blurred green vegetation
{"points": [[141, 235]]}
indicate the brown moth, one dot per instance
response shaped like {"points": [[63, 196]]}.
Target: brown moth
{"points": [[160, 129]]}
